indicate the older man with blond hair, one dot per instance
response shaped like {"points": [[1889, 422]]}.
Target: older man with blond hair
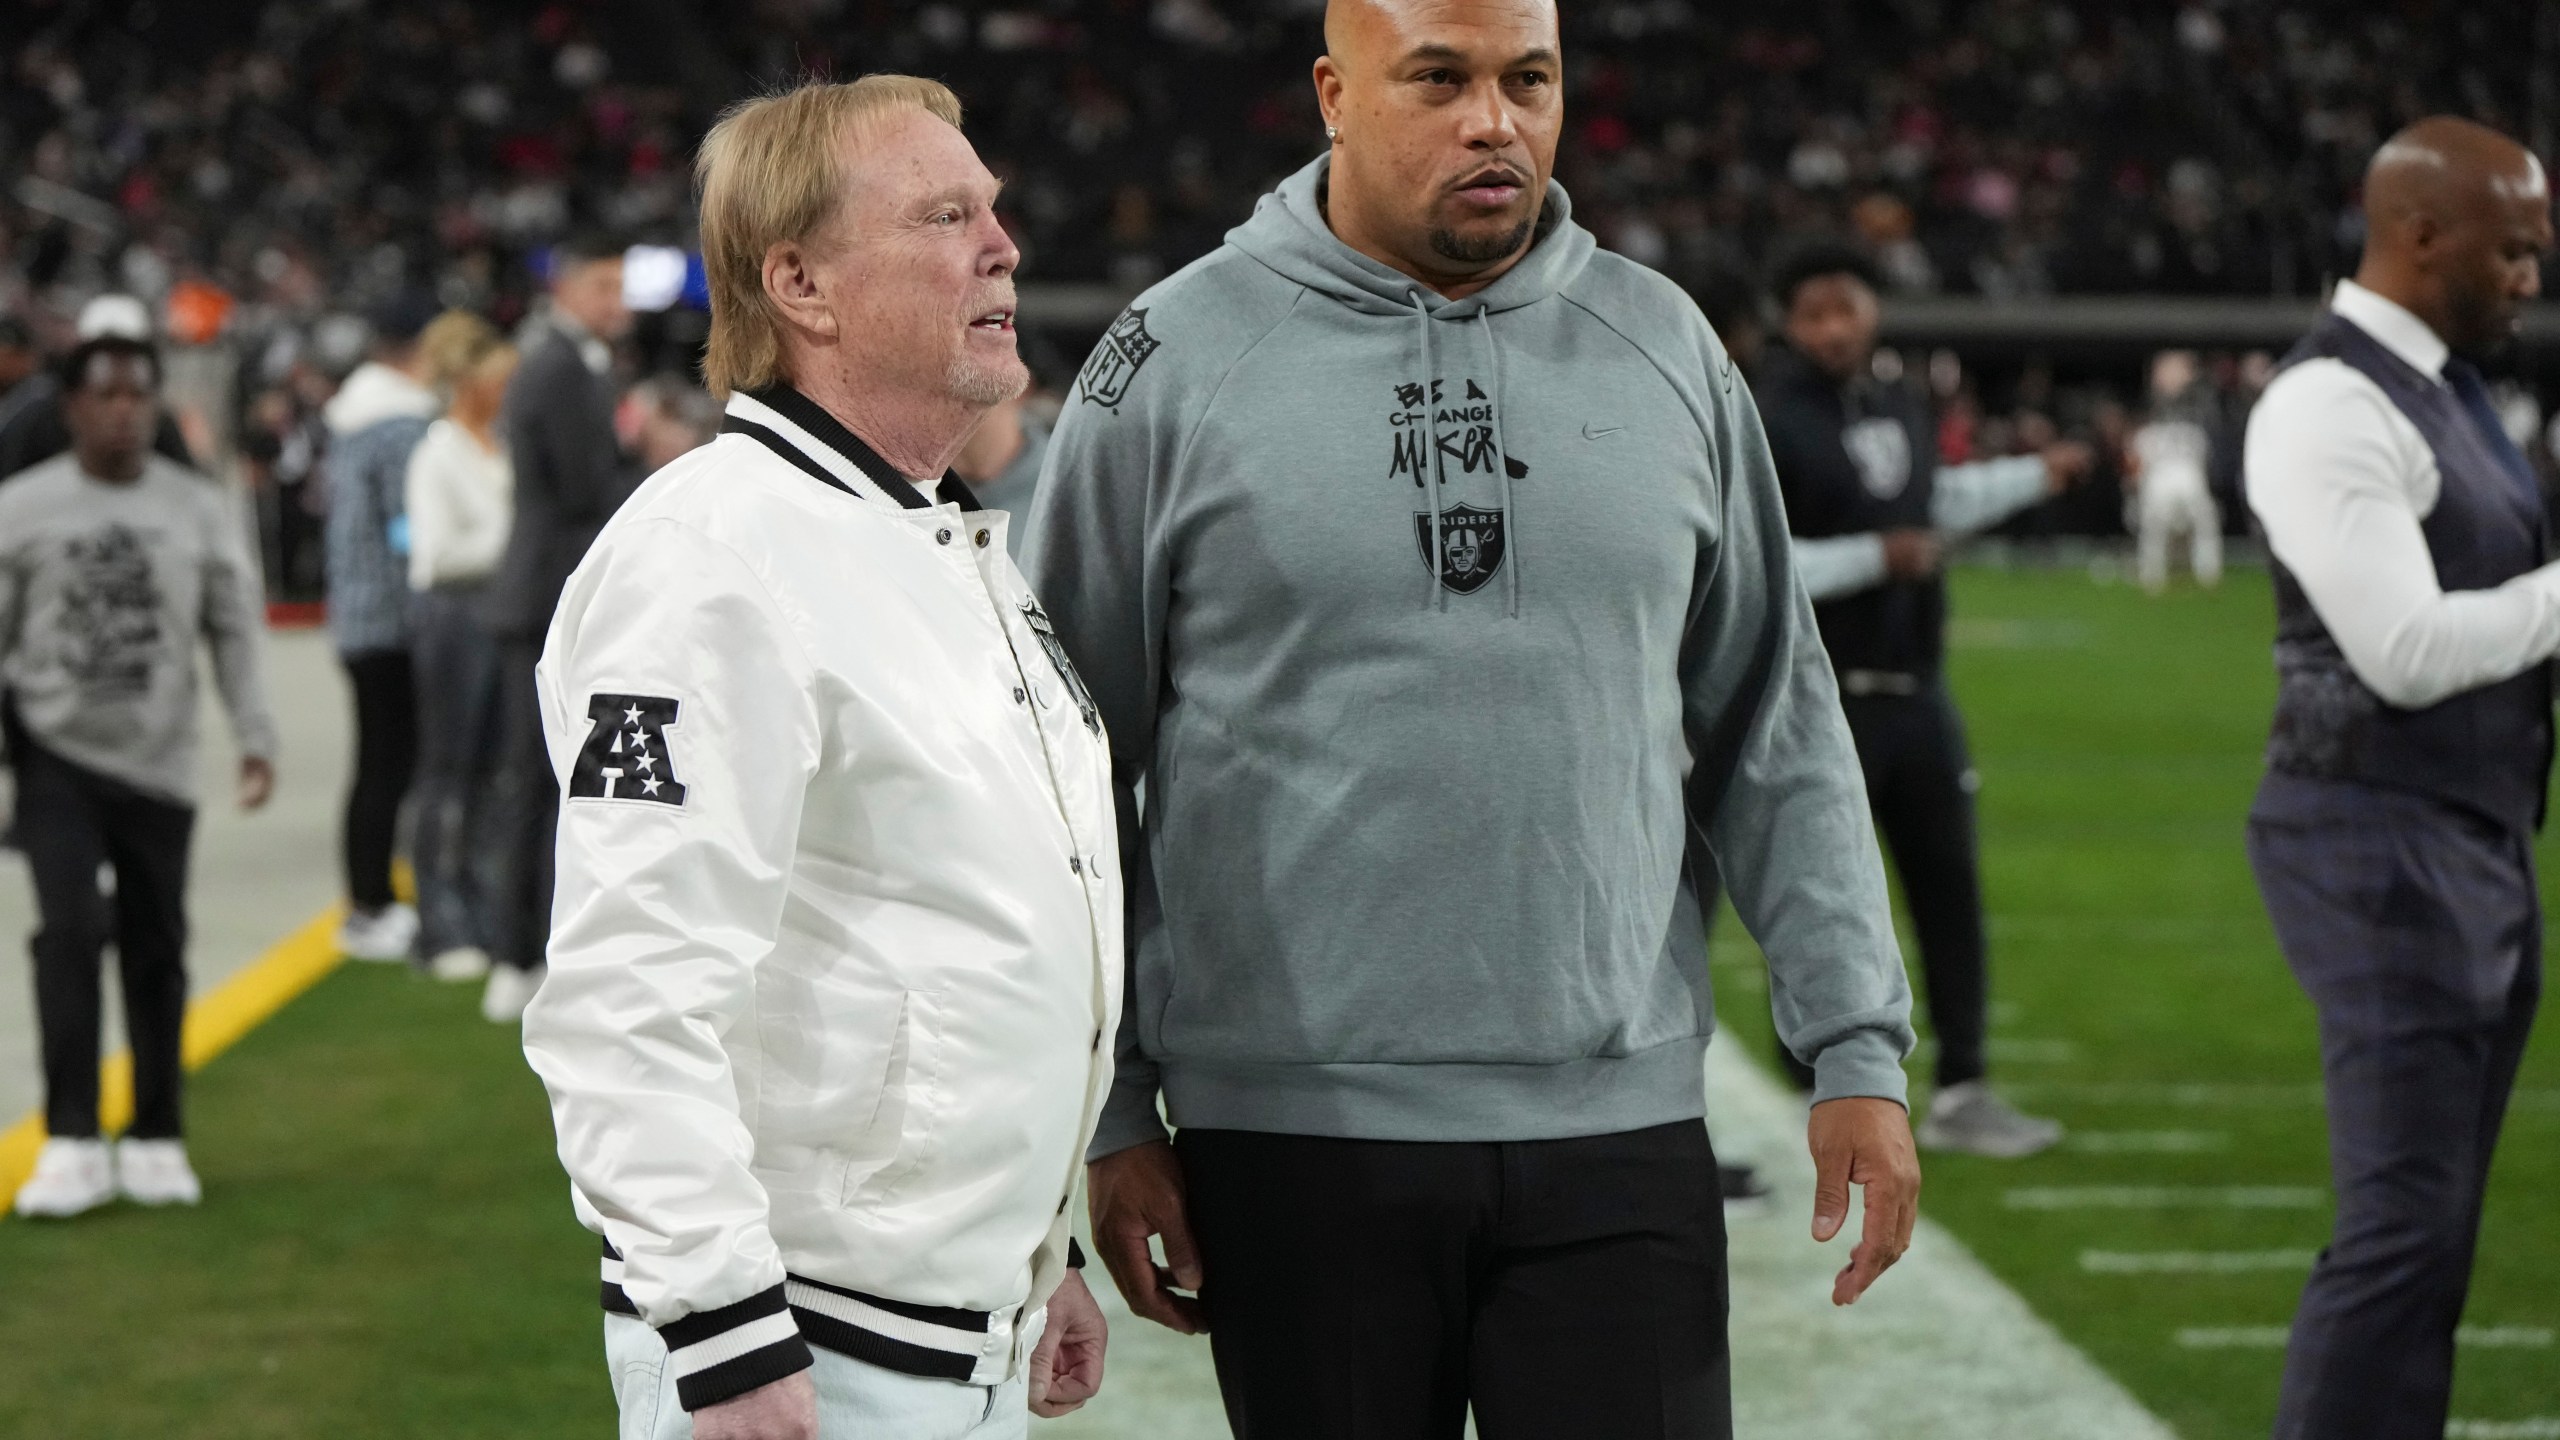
{"points": [[837, 938]]}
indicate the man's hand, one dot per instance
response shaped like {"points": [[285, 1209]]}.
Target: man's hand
{"points": [[257, 781], [1066, 1367], [1864, 1142], [1911, 554], [787, 1409], [2066, 463], [1135, 1194]]}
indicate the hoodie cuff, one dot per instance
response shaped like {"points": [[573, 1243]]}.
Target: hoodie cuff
{"points": [[1129, 1119], [722, 1354], [1861, 1063]]}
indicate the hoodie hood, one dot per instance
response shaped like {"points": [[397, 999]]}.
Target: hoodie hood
{"points": [[374, 393], [1287, 231]]}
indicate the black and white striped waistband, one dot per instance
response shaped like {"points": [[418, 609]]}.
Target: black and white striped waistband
{"points": [[726, 1352]]}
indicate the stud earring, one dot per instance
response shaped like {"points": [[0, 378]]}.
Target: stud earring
{"points": [[1332, 132]]}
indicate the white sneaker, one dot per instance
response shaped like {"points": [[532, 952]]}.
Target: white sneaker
{"points": [[382, 937], [460, 965], [510, 990], [72, 1177], [1970, 1119], [156, 1172]]}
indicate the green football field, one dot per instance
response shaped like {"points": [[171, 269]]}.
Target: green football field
{"points": [[2139, 995], [386, 1251]]}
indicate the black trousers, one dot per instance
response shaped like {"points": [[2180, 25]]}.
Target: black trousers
{"points": [[386, 758], [2416, 929], [71, 822], [1376, 1290], [457, 663], [528, 819], [1920, 784]]}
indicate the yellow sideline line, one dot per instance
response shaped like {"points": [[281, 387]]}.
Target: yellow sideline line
{"points": [[215, 1022]]}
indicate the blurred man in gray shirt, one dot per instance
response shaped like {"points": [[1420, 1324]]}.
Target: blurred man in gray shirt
{"points": [[114, 562]]}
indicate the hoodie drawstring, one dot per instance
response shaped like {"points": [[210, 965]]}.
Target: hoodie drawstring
{"points": [[1439, 479], [1502, 467]]}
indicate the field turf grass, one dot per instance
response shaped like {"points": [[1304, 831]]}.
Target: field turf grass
{"points": [[385, 1249], [2118, 739]]}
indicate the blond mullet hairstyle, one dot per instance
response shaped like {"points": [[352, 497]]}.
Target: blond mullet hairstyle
{"points": [[771, 173]]}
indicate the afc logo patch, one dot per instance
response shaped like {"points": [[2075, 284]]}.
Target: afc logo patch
{"points": [[626, 755], [1471, 546], [1115, 361]]}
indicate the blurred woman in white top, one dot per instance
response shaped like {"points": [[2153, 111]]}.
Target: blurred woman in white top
{"points": [[460, 502]]}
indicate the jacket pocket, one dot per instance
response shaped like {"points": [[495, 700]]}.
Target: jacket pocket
{"points": [[905, 1122]]}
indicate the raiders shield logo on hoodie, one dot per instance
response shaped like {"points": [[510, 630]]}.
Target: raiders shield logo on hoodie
{"points": [[1471, 546]]}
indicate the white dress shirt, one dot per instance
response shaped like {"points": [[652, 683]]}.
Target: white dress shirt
{"points": [[2342, 481], [1966, 498]]}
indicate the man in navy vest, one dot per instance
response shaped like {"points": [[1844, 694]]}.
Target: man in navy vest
{"points": [[2417, 614]]}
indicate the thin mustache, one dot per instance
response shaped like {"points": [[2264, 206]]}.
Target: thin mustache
{"points": [[1494, 175]]}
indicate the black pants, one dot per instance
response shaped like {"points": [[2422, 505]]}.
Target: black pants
{"points": [[457, 675], [386, 757], [2416, 930], [1375, 1290], [71, 822], [1920, 784], [528, 818]]}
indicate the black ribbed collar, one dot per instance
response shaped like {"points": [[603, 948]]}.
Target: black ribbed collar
{"points": [[812, 417]]}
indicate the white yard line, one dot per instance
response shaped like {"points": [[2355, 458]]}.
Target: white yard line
{"points": [[2538, 1427], [2194, 1262], [2270, 1095], [1939, 1350], [2147, 1142], [2166, 1197], [2273, 1337]]}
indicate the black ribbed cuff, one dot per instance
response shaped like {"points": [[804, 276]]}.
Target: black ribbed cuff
{"points": [[1075, 1254], [721, 1354]]}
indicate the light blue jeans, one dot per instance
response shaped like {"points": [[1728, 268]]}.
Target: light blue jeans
{"points": [[855, 1401]]}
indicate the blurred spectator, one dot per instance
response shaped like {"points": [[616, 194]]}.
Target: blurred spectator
{"points": [[570, 475], [2173, 497], [667, 417], [114, 565], [32, 430], [374, 422], [19, 362], [460, 493], [1002, 462]]}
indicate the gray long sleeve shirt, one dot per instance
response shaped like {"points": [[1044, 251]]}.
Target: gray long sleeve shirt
{"points": [[1437, 630], [106, 588]]}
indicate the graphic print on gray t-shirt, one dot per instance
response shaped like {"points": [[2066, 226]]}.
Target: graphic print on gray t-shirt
{"points": [[111, 613]]}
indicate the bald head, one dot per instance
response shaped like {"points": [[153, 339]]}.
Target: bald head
{"points": [[2457, 217], [1443, 115]]}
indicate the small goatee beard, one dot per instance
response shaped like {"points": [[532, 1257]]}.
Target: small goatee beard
{"points": [[1450, 245], [987, 386]]}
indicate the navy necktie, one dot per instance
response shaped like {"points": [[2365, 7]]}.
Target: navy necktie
{"points": [[2468, 386]]}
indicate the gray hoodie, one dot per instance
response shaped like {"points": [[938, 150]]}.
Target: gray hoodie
{"points": [[1437, 630]]}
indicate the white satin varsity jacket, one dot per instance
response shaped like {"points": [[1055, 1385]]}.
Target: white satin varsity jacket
{"points": [[836, 945]]}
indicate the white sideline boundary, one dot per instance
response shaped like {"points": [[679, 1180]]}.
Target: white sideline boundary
{"points": [[1938, 1350]]}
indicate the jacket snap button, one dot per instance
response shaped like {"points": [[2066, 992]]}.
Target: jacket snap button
{"points": [[942, 537], [982, 539], [1021, 696], [1076, 863]]}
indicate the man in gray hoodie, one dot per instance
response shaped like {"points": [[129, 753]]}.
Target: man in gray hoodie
{"points": [[1428, 566]]}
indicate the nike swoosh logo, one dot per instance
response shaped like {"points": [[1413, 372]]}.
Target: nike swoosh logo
{"points": [[1590, 434]]}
